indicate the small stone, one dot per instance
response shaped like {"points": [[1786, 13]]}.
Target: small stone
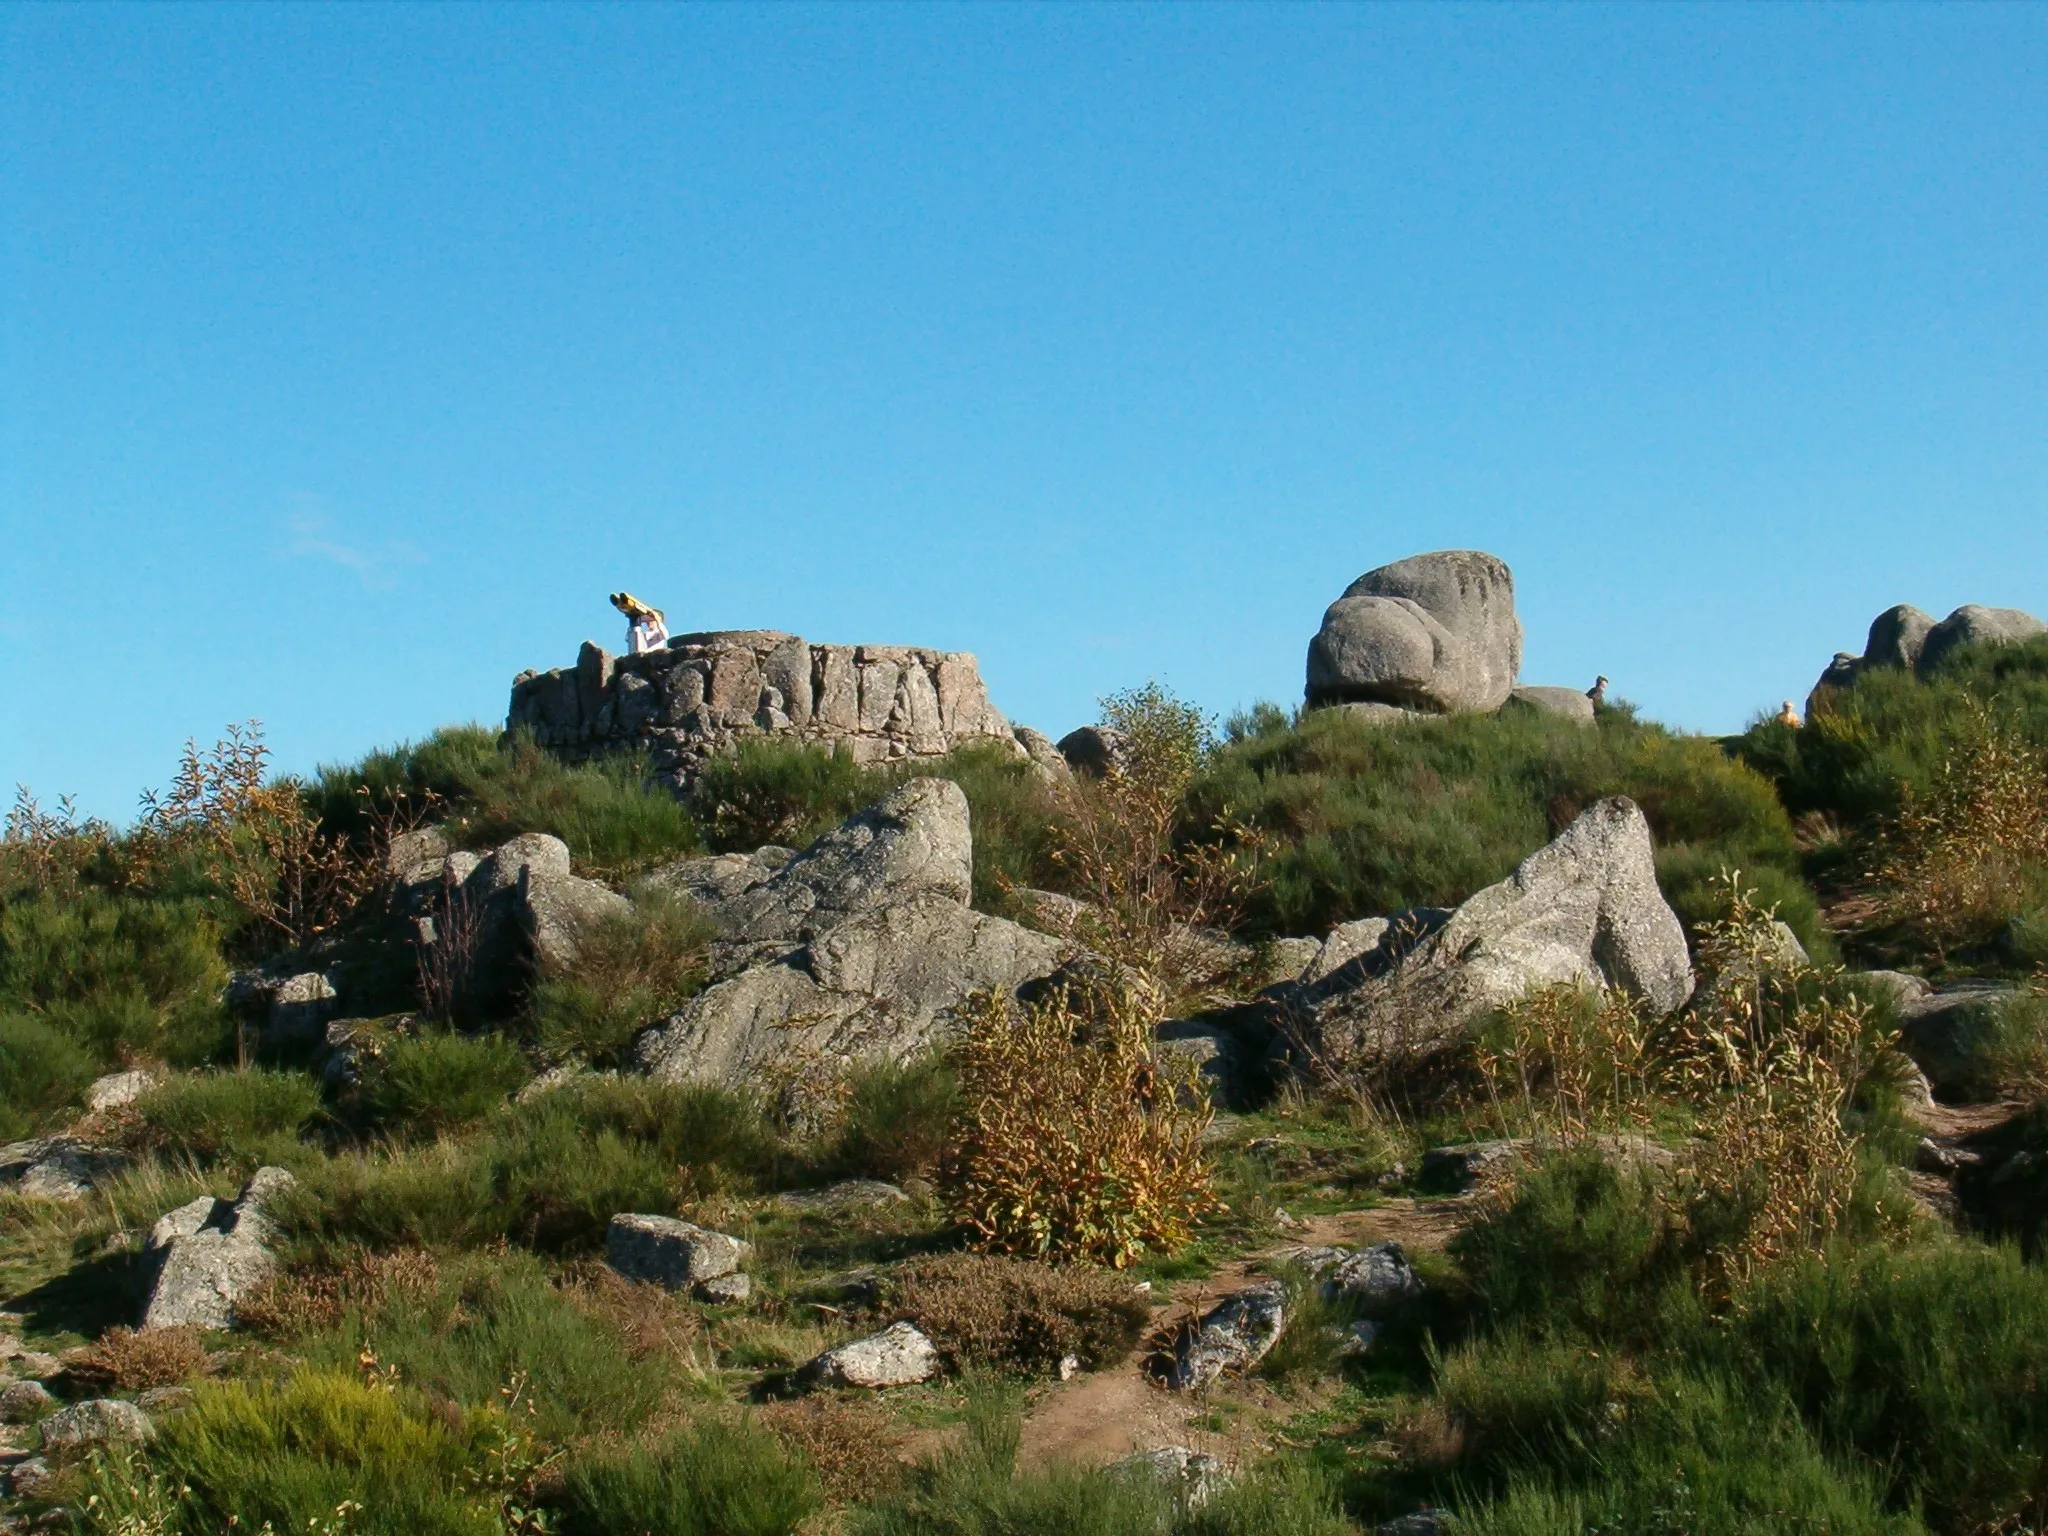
{"points": [[1234, 1336], [31, 1479], [99, 1421], [899, 1356], [1424, 1522], [725, 1290], [1357, 1339], [848, 1194], [119, 1088], [1193, 1475], [34, 1363], [1376, 1279], [23, 1402], [669, 1251]]}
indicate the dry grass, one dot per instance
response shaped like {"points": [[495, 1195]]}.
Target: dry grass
{"points": [[858, 1449], [1072, 1142], [135, 1362], [988, 1310], [302, 1302], [1566, 1062]]}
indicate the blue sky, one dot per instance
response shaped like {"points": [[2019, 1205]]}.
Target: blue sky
{"points": [[349, 356]]}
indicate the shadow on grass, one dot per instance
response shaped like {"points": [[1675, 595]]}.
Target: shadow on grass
{"points": [[90, 1297]]}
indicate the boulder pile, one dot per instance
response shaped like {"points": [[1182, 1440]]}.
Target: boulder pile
{"points": [[1905, 638]]}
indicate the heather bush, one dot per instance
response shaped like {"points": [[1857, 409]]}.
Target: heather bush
{"points": [[43, 1073], [991, 1310], [894, 1117]]}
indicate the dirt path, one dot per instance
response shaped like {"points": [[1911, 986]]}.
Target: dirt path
{"points": [[1107, 1414]]}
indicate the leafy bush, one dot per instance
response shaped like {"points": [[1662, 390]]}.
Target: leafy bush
{"points": [[1370, 819], [228, 1116], [1072, 1142], [988, 1310], [706, 1480], [437, 1081], [630, 970]]}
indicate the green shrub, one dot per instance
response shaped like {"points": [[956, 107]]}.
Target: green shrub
{"points": [[630, 969], [43, 1072], [767, 790], [229, 1116], [1370, 819], [988, 1310], [290, 1455], [438, 1081], [1924, 1362], [611, 814], [438, 1196], [895, 1118], [706, 1480]]}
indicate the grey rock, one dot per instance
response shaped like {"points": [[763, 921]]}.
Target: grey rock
{"points": [[846, 1195], [1901, 988], [898, 1356], [1435, 632], [1233, 1336], [1897, 637], [1945, 1034], [1194, 1477], [1972, 625], [558, 910], [1290, 959], [55, 1167], [1571, 703], [209, 1254], [1377, 1280], [23, 1402], [98, 1421], [1471, 1163], [157, 1402], [725, 1290], [1356, 1339], [1374, 712], [1424, 1522], [1093, 750], [300, 1007], [31, 1478], [1050, 912], [671, 1252], [1044, 753], [1208, 1050], [119, 1088], [721, 877], [1585, 909]]}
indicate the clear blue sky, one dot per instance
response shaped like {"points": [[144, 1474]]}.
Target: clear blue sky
{"points": [[349, 356]]}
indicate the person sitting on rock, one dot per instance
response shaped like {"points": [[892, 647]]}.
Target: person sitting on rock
{"points": [[1598, 692], [646, 628], [1789, 716]]}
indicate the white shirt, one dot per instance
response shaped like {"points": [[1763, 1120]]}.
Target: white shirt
{"points": [[646, 634]]}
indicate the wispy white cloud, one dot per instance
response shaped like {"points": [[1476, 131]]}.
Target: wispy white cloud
{"points": [[375, 566]]}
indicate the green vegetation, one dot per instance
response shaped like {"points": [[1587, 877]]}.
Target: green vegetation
{"points": [[1366, 819], [708, 1480]]}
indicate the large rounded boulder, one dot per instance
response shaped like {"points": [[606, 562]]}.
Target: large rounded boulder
{"points": [[1433, 632]]}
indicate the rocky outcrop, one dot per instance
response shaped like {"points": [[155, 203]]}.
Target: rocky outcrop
{"points": [[120, 1088], [1232, 1337], [98, 1421], [861, 946], [898, 1356], [1586, 908], [287, 1008], [708, 691], [1905, 638], [1436, 633], [1946, 1034], [55, 1167], [210, 1254]]}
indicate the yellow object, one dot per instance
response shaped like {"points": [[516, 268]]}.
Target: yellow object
{"points": [[1789, 716], [633, 608]]}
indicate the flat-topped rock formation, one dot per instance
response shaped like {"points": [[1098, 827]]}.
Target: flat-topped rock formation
{"points": [[707, 691]]}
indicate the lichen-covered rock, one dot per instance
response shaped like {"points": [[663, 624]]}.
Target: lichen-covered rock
{"points": [[1434, 632], [1946, 1033], [1232, 1337], [210, 1254], [1585, 909], [725, 1290], [861, 947], [23, 1402], [557, 910], [98, 1421], [1567, 703], [1376, 1280], [846, 1195], [55, 1167], [119, 1088], [1194, 1477], [671, 1252], [898, 1356]]}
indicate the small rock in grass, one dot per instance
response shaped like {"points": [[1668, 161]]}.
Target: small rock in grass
{"points": [[899, 1356], [669, 1251], [99, 1421], [1194, 1476], [23, 1402], [119, 1088], [33, 1363], [1424, 1522], [725, 1290], [1377, 1279], [1357, 1339], [1234, 1336], [31, 1478]]}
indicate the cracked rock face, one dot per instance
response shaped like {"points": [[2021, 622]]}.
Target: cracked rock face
{"points": [[1585, 909], [862, 946], [211, 1253], [1435, 633]]}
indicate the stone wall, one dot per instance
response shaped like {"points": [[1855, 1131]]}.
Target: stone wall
{"points": [[707, 691]]}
